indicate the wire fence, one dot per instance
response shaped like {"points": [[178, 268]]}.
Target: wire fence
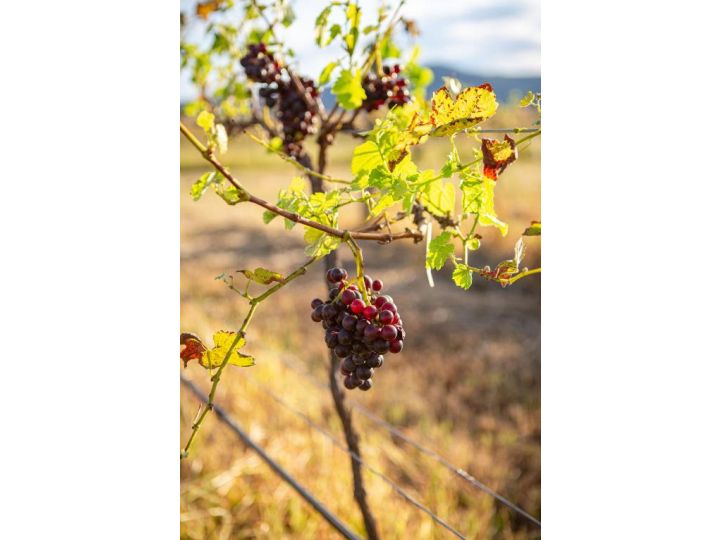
{"points": [[432, 454], [333, 520]]}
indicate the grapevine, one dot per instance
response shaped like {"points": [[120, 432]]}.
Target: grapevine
{"points": [[248, 86]]}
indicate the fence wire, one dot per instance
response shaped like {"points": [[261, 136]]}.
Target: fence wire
{"points": [[335, 441], [458, 471], [333, 520]]}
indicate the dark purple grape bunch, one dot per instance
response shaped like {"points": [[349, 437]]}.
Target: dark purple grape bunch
{"points": [[390, 89], [260, 65], [290, 94], [359, 333], [293, 112]]}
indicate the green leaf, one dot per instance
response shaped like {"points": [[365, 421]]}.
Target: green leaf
{"points": [[327, 73], [366, 157], [353, 14], [200, 185], [533, 229], [527, 100], [479, 198], [439, 250], [321, 25], [348, 89], [206, 120], [262, 275], [268, 216], [462, 276], [319, 243]]}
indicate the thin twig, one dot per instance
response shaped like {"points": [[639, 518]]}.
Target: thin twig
{"points": [[254, 303]]}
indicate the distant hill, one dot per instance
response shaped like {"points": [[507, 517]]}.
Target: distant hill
{"points": [[504, 87]]}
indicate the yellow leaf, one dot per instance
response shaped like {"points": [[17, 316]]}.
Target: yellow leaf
{"points": [[223, 343], [472, 106]]}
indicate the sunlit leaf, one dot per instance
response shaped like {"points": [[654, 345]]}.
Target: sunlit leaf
{"points": [[201, 184], [527, 100], [349, 90], [439, 250], [262, 275], [206, 120], [462, 276], [327, 73], [193, 347], [472, 106], [223, 344], [366, 157]]}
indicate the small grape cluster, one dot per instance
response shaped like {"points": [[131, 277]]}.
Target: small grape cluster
{"points": [[360, 334], [292, 102], [390, 89], [260, 65]]}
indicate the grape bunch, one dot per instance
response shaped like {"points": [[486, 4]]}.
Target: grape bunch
{"points": [[359, 333], [260, 65], [390, 89], [292, 102]]}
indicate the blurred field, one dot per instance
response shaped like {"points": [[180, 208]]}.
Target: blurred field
{"points": [[467, 383]]}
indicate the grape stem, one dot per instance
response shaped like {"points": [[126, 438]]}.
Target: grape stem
{"points": [[359, 265], [245, 195], [254, 303]]}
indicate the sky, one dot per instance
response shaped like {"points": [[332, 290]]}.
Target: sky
{"points": [[488, 37]]}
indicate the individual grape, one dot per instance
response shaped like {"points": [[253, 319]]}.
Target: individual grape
{"points": [[396, 346], [401, 332], [358, 359], [336, 274], [316, 302], [365, 385], [351, 382], [375, 360], [388, 333], [317, 314], [382, 300], [347, 297], [341, 351], [396, 319], [349, 322], [329, 312], [371, 332], [364, 372], [385, 317], [381, 346], [357, 306], [377, 285], [331, 339], [344, 337], [370, 312], [347, 366], [388, 306], [333, 293], [360, 327], [368, 282]]}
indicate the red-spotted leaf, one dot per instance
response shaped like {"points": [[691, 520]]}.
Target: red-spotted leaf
{"points": [[497, 155], [472, 106]]}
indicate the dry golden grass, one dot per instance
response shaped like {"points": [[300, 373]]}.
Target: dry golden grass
{"points": [[467, 383]]}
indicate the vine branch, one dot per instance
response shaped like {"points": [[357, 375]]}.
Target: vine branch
{"points": [[245, 195], [254, 303]]}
